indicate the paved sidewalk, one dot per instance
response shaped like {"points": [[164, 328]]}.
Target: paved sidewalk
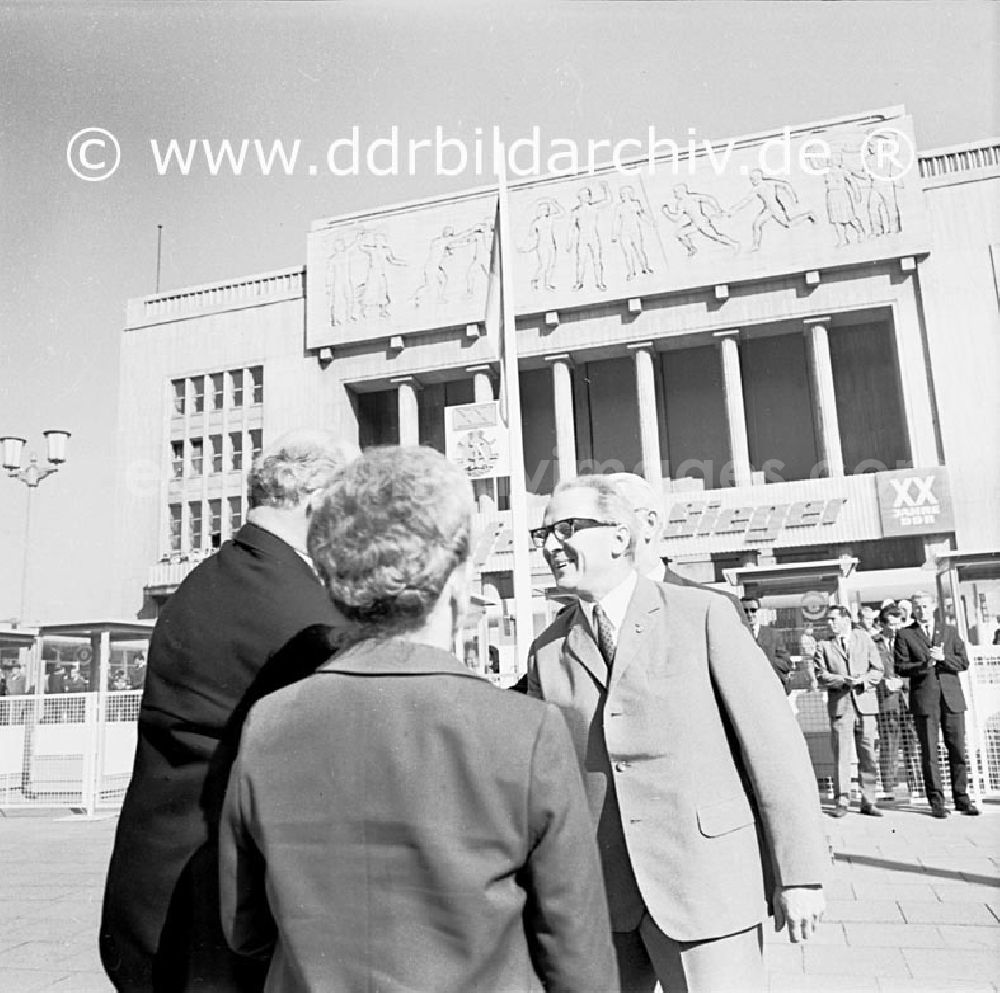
{"points": [[914, 905]]}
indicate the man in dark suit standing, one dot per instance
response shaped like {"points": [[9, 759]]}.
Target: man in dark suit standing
{"points": [[932, 655], [692, 760], [771, 643], [848, 667], [160, 928]]}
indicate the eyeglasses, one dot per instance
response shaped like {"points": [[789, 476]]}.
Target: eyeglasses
{"points": [[565, 529]]}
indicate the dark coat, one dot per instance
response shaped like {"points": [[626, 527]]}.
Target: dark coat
{"points": [[692, 760], [889, 701], [407, 826], [773, 646], [160, 927], [931, 684]]}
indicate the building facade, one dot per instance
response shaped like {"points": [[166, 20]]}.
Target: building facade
{"points": [[798, 347]]}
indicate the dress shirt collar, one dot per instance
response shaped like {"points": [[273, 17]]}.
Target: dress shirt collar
{"points": [[658, 573], [294, 546], [614, 603]]}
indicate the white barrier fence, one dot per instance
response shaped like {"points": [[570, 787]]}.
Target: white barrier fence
{"points": [[61, 751]]}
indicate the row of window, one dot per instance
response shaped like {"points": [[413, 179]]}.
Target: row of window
{"points": [[206, 526], [218, 390], [225, 453]]}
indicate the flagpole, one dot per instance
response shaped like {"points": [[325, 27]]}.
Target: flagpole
{"points": [[523, 609]]}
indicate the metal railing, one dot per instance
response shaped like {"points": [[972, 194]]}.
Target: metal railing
{"points": [[59, 750]]}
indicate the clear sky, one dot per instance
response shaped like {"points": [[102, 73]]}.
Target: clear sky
{"points": [[72, 252]]}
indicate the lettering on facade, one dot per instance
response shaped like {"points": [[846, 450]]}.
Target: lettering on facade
{"points": [[915, 501], [700, 518]]}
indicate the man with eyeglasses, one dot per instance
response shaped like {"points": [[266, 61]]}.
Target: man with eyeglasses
{"points": [[693, 762]]}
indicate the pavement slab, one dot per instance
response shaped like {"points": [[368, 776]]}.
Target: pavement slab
{"points": [[913, 906]]}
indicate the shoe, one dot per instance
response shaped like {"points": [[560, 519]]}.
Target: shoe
{"points": [[840, 810], [939, 811], [870, 810], [968, 808]]}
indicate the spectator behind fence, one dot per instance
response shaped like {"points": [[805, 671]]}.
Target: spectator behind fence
{"points": [[771, 643], [160, 926], [693, 762], [895, 725], [848, 667], [931, 654], [393, 821]]}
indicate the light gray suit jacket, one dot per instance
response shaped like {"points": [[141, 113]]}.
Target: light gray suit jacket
{"points": [[832, 667], [692, 760]]}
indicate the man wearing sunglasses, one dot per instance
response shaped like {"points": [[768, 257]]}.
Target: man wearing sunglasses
{"points": [[674, 714]]}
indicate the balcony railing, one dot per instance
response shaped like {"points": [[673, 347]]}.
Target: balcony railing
{"points": [[269, 287]]}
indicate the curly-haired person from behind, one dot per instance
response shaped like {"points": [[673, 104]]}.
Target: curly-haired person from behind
{"points": [[394, 822]]}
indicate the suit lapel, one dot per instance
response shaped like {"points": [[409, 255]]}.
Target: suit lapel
{"points": [[637, 627], [579, 648]]}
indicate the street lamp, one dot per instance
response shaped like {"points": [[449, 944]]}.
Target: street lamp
{"points": [[10, 459]]}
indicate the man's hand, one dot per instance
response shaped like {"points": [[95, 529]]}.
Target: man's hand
{"points": [[801, 908]]}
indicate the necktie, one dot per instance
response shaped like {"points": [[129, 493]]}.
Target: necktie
{"points": [[605, 638]]}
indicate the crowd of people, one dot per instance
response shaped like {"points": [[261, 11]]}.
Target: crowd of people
{"points": [[324, 797]]}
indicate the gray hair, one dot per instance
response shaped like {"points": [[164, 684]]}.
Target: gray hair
{"points": [[612, 503], [388, 533], [295, 466]]}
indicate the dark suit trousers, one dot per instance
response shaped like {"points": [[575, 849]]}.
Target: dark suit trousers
{"points": [[952, 726]]}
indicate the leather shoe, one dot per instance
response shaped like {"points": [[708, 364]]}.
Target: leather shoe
{"points": [[840, 810], [870, 810], [968, 808], [938, 810]]}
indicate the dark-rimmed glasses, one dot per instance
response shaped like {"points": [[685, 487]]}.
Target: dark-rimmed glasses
{"points": [[565, 529]]}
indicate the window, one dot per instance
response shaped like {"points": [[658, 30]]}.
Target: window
{"points": [[256, 443], [195, 540], [235, 514], [215, 522], [216, 442], [196, 456], [198, 394], [175, 527], [178, 387], [236, 387], [236, 451], [218, 391], [177, 458], [257, 378]]}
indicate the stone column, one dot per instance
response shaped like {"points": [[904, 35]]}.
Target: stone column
{"points": [[562, 389], [736, 418], [484, 490], [649, 430], [824, 397], [482, 383], [409, 412]]}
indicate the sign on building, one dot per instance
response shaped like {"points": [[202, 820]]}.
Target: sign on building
{"points": [[476, 439], [915, 501]]}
